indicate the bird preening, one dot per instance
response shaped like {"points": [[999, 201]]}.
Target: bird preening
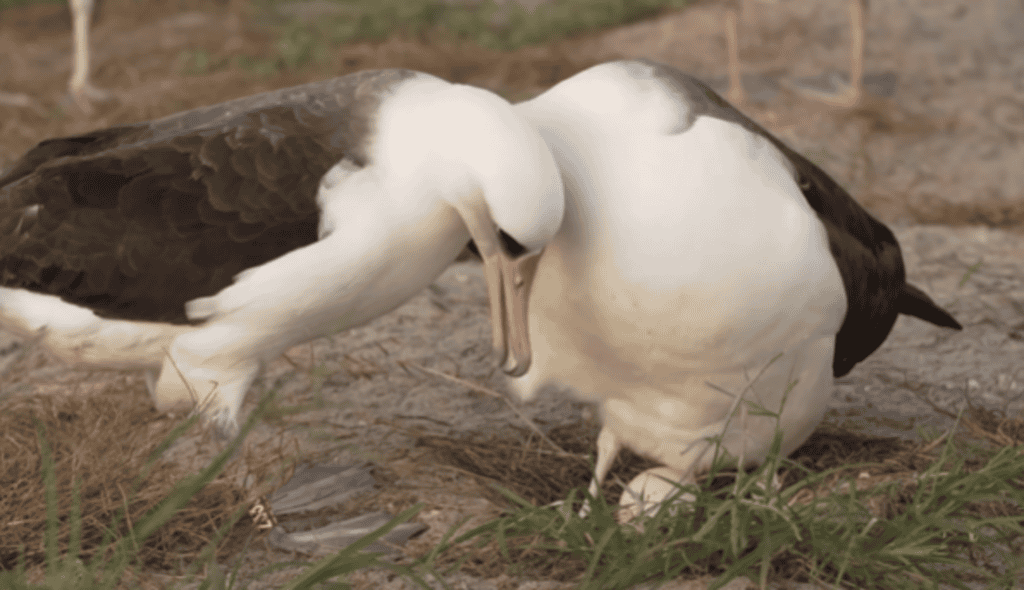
{"points": [[645, 245], [201, 245]]}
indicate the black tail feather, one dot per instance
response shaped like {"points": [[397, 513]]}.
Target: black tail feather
{"points": [[915, 302]]}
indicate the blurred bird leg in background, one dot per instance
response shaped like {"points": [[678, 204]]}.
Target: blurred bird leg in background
{"points": [[846, 94], [82, 92]]}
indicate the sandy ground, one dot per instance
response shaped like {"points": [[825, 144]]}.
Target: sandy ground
{"points": [[945, 147]]}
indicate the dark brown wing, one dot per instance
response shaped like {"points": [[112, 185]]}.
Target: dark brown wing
{"points": [[865, 250], [134, 221]]}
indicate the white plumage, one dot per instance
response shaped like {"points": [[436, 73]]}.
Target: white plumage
{"points": [[205, 244], [702, 268]]}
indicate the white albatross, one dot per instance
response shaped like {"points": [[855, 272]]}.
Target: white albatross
{"points": [[201, 245], [702, 266]]}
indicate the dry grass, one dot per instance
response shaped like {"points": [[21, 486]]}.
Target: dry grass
{"points": [[515, 460], [101, 446]]}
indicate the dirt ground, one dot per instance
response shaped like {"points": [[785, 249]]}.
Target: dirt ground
{"points": [[939, 158]]}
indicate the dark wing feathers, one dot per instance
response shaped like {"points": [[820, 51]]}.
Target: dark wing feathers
{"points": [[915, 302], [865, 250], [869, 261], [133, 221]]}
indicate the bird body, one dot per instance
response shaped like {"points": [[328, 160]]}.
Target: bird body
{"points": [[702, 271], [208, 242]]}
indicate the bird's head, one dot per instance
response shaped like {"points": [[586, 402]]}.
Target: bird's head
{"points": [[495, 170]]}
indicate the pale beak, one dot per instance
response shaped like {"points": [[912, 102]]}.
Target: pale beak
{"points": [[516, 279], [508, 288]]}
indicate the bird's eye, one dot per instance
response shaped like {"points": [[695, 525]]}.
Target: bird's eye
{"points": [[511, 246]]}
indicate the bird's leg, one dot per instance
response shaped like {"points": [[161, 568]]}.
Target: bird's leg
{"points": [[736, 94], [857, 34], [849, 94], [82, 92], [234, 25], [151, 376], [608, 447]]}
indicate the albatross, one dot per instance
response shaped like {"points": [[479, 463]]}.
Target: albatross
{"points": [[703, 269], [204, 244]]}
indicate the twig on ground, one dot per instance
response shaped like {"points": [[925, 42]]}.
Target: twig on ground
{"points": [[481, 389], [931, 445]]}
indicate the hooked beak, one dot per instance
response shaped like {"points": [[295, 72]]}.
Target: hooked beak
{"points": [[508, 287]]}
